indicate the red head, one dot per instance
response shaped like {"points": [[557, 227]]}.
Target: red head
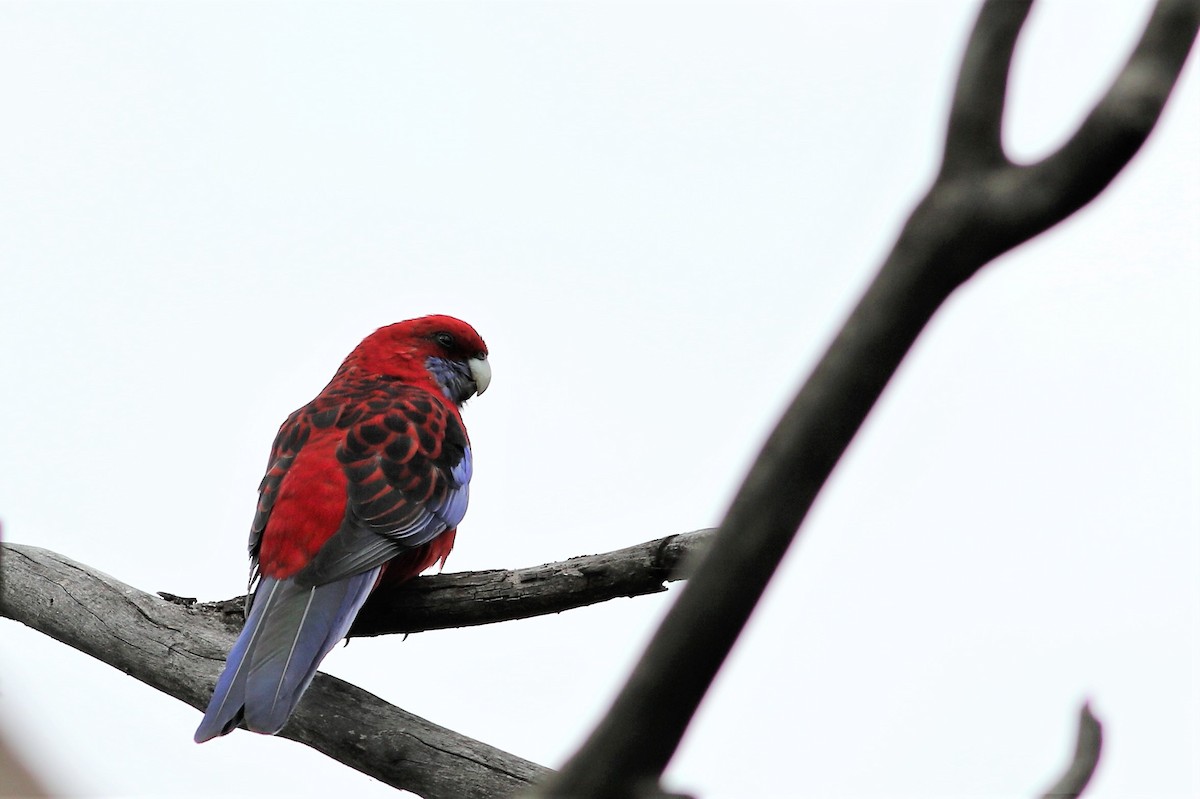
{"points": [[438, 349]]}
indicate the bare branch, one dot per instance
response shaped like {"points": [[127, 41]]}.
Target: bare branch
{"points": [[469, 598], [973, 131], [178, 646], [465, 599], [180, 652], [1087, 754], [1116, 128], [979, 207]]}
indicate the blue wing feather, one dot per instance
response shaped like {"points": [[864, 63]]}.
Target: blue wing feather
{"points": [[224, 711]]}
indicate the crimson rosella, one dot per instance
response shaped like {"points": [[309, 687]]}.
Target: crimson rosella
{"points": [[369, 478]]}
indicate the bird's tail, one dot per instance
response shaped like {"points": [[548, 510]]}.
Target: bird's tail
{"points": [[289, 631]]}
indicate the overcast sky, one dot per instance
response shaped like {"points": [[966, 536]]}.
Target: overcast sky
{"points": [[656, 215]]}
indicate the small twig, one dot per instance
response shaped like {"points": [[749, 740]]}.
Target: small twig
{"points": [[1079, 772]]}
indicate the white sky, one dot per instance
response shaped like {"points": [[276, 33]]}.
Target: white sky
{"points": [[656, 215]]}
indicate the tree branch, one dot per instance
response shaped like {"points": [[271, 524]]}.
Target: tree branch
{"points": [[1116, 128], [180, 651], [980, 206], [470, 598], [178, 646], [465, 599], [977, 111], [1087, 754]]}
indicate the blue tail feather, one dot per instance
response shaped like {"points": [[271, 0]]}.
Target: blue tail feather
{"points": [[289, 631]]}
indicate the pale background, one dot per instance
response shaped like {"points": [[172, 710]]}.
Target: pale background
{"points": [[656, 215]]}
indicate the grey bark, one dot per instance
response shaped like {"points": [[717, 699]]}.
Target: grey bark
{"points": [[465, 599], [178, 646], [180, 651]]}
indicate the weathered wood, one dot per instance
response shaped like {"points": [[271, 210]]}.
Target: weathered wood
{"points": [[469, 598], [178, 646], [180, 651], [465, 599]]}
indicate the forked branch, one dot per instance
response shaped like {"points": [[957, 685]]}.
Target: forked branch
{"points": [[980, 205]]}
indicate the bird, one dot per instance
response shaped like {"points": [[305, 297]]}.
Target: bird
{"points": [[370, 478]]}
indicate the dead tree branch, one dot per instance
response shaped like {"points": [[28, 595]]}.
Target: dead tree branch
{"points": [[180, 652], [178, 646], [980, 206], [465, 599]]}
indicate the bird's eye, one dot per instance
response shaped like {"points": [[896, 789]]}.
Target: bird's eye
{"points": [[444, 339]]}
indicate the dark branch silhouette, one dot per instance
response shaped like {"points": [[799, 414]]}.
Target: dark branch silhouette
{"points": [[1083, 764], [980, 205]]}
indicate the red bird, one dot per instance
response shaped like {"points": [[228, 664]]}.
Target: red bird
{"points": [[370, 477]]}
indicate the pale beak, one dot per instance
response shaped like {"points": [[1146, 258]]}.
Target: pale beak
{"points": [[481, 373]]}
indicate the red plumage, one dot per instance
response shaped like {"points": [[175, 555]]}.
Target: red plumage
{"points": [[370, 478]]}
